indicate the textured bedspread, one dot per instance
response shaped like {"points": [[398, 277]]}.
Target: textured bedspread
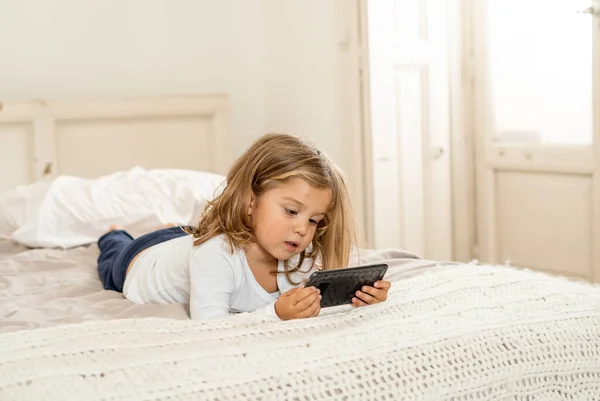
{"points": [[461, 333], [448, 332]]}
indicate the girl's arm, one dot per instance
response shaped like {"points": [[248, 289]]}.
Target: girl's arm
{"points": [[211, 283]]}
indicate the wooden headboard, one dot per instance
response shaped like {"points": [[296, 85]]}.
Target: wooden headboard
{"points": [[41, 139]]}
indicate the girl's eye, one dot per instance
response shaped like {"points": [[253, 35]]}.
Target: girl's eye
{"points": [[291, 212], [313, 222]]}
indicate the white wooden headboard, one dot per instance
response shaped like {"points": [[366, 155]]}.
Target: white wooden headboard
{"points": [[88, 138]]}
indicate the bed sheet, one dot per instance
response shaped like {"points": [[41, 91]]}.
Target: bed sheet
{"points": [[48, 287]]}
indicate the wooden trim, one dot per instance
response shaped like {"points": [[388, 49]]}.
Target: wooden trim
{"points": [[19, 112], [366, 132], [596, 145], [461, 130], [543, 158], [45, 163], [485, 220], [354, 125], [222, 144], [143, 106], [45, 115]]}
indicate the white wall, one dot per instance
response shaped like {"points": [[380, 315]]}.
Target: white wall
{"points": [[311, 79], [306, 70], [86, 48], [284, 63], [277, 59]]}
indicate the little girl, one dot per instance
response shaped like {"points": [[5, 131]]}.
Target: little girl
{"points": [[284, 213]]}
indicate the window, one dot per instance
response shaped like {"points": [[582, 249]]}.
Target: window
{"points": [[540, 69]]}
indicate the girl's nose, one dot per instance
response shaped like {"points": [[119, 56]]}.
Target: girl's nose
{"points": [[301, 228]]}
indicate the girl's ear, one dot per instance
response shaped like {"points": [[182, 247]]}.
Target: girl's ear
{"points": [[252, 204]]}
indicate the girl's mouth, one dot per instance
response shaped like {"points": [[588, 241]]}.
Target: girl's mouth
{"points": [[292, 246]]}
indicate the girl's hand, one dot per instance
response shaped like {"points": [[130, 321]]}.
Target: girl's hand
{"points": [[372, 295], [298, 303]]}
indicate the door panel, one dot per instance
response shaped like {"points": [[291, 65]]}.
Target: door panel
{"points": [[537, 136], [545, 221], [410, 126]]}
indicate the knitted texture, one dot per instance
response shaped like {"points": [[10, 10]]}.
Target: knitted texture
{"points": [[464, 332]]}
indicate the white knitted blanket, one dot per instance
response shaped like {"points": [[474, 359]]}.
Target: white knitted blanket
{"points": [[464, 332]]}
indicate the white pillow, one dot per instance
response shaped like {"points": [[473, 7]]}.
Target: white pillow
{"points": [[77, 211], [17, 204]]}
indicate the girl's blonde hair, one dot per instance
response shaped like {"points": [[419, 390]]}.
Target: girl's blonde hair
{"points": [[272, 160]]}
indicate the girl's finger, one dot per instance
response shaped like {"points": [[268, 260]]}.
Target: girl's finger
{"points": [[383, 284], [379, 295], [367, 298], [307, 302], [317, 308], [311, 309], [317, 311], [303, 293], [357, 302]]}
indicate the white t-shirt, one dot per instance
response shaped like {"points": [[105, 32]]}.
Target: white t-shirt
{"points": [[214, 281]]}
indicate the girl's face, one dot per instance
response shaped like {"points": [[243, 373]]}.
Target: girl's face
{"points": [[285, 219]]}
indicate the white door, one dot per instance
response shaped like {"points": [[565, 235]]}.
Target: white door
{"points": [[537, 113], [409, 110]]}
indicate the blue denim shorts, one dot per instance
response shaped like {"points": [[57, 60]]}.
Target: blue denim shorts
{"points": [[118, 248]]}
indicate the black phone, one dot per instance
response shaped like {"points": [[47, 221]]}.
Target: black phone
{"points": [[340, 285]]}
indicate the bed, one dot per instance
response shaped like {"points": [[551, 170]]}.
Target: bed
{"points": [[449, 331]]}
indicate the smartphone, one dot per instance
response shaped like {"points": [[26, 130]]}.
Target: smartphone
{"points": [[340, 285]]}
